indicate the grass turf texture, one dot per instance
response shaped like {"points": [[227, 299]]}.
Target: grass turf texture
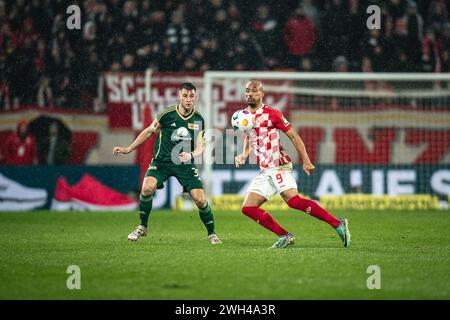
{"points": [[176, 261]]}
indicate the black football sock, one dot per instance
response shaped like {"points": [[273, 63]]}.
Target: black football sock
{"points": [[145, 207], [207, 218]]}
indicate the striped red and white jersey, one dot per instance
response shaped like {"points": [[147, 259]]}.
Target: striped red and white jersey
{"points": [[265, 139]]}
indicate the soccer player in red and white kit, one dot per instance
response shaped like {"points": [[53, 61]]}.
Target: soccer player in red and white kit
{"points": [[276, 170]]}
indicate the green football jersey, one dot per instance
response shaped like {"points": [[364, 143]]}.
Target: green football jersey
{"points": [[177, 133]]}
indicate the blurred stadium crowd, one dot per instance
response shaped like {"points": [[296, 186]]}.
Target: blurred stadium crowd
{"points": [[44, 63]]}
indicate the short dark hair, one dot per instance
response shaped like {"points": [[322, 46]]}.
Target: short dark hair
{"points": [[188, 86]]}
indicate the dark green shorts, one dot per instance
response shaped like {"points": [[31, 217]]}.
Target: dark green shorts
{"points": [[187, 174]]}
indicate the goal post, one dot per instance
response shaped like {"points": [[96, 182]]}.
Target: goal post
{"points": [[411, 111]]}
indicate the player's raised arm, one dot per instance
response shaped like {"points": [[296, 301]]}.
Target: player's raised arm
{"points": [[308, 167], [140, 139]]}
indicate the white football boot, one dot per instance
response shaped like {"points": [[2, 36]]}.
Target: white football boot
{"points": [[214, 239], [140, 231]]}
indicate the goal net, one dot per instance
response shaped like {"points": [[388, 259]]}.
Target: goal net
{"points": [[368, 134]]}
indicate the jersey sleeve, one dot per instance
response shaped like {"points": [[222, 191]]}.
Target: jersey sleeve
{"points": [[156, 123], [280, 122], [161, 114], [155, 126]]}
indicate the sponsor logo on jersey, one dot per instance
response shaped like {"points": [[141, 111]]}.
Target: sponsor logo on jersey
{"points": [[193, 126], [152, 168], [173, 124], [181, 134], [286, 123]]}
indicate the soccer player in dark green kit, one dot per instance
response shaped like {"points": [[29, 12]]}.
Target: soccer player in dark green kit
{"points": [[179, 127]]}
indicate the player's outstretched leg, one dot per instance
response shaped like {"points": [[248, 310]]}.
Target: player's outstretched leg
{"points": [[267, 221], [315, 210], [206, 215], [251, 208], [145, 207]]}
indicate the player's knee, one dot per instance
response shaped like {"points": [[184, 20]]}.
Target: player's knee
{"points": [[148, 191], [200, 201]]}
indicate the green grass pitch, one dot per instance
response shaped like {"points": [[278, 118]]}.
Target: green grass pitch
{"points": [[176, 261]]}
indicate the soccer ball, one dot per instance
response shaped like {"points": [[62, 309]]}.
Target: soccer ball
{"points": [[242, 120]]}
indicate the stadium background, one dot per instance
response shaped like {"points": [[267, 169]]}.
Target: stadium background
{"points": [[105, 82]]}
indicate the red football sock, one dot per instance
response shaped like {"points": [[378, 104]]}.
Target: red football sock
{"points": [[312, 208], [264, 219]]}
